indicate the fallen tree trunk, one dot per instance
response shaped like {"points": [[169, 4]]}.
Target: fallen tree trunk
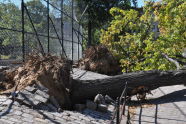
{"points": [[54, 74], [113, 86]]}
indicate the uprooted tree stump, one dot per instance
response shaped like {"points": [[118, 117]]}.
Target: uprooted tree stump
{"points": [[99, 59], [50, 71], [54, 74]]}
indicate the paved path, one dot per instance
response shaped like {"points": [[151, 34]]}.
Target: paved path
{"points": [[166, 106], [38, 108], [33, 105], [24, 115]]}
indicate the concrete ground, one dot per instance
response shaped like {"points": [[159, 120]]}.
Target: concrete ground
{"points": [[33, 105], [166, 106]]}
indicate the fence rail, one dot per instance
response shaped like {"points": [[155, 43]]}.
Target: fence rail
{"points": [[120, 108], [53, 37]]}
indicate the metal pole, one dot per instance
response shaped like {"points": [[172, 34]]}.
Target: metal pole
{"points": [[72, 30], [37, 36], [79, 30], [23, 30], [62, 33], [48, 25], [78, 41], [128, 116], [118, 109], [124, 104], [123, 96], [58, 36], [82, 42]]}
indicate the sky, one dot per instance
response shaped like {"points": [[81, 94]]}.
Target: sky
{"points": [[141, 2], [18, 2]]}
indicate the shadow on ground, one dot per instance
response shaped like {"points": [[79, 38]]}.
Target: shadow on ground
{"points": [[176, 96]]}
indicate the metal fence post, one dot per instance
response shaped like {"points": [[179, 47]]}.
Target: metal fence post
{"points": [[57, 36], [82, 42], [124, 105], [125, 99], [48, 25], [23, 29], [72, 30], [118, 111], [78, 39], [37, 36], [62, 33], [128, 116]]}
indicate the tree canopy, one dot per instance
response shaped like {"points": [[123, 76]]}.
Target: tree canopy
{"points": [[98, 15], [132, 39]]}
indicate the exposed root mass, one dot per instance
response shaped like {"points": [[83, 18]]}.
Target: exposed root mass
{"points": [[50, 71], [99, 59]]}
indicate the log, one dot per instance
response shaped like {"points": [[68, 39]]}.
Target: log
{"points": [[113, 86], [86, 85]]}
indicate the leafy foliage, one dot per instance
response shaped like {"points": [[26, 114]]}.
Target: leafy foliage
{"points": [[131, 36]]}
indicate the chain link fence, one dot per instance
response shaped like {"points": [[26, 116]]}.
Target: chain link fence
{"points": [[40, 26]]}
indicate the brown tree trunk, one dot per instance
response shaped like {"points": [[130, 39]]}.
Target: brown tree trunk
{"points": [[86, 85], [113, 86]]}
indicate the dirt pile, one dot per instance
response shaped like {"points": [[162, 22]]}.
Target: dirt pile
{"points": [[99, 59], [50, 71]]}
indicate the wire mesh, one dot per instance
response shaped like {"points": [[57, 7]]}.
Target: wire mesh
{"points": [[50, 25]]}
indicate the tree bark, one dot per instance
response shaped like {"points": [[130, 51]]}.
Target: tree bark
{"points": [[113, 86], [86, 85]]}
